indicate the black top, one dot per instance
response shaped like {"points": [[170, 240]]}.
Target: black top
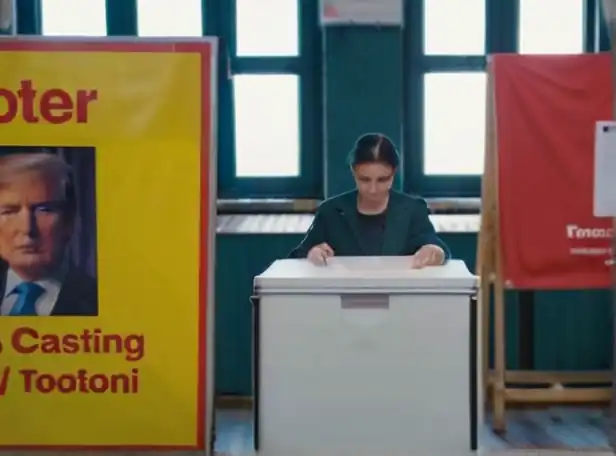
{"points": [[372, 231]]}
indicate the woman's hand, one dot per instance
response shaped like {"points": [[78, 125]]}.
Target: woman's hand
{"points": [[320, 253], [428, 255]]}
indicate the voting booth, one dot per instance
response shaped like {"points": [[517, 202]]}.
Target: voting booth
{"points": [[551, 242], [365, 356]]}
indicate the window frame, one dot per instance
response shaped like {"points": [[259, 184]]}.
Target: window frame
{"points": [[29, 21], [309, 183], [501, 36]]}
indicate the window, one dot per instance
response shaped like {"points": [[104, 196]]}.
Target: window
{"points": [[8, 15], [551, 27], [270, 112], [267, 138], [267, 28], [445, 43], [446, 34], [454, 123], [166, 18], [73, 18]]}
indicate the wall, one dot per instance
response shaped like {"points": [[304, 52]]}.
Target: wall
{"points": [[363, 93]]}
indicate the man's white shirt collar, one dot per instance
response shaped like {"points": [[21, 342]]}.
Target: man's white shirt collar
{"points": [[46, 303], [50, 285]]}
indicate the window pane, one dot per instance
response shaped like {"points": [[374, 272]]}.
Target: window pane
{"points": [[8, 16], [551, 27], [266, 125], [446, 34], [158, 18], [267, 27], [454, 122], [74, 17]]}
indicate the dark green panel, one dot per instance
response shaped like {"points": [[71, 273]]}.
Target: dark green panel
{"points": [[573, 330], [121, 17], [464, 247], [239, 259], [363, 87], [602, 29], [28, 17]]}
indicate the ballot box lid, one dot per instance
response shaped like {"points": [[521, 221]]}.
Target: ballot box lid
{"points": [[364, 275]]}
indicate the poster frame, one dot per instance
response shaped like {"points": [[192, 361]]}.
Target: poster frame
{"points": [[207, 48]]}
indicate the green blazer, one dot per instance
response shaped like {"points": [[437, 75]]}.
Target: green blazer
{"points": [[407, 227]]}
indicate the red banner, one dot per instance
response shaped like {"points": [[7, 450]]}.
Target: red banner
{"points": [[546, 111]]}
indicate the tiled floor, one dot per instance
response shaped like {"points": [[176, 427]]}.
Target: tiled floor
{"points": [[555, 429], [549, 432]]}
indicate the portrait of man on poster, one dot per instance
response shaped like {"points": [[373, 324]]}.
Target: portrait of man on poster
{"points": [[37, 222]]}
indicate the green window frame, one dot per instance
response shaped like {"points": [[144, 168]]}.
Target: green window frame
{"points": [[501, 36], [307, 65]]}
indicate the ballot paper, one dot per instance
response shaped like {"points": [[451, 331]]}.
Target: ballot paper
{"points": [[369, 265], [605, 169]]}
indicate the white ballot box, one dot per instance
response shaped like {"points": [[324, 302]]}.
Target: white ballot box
{"points": [[365, 356]]}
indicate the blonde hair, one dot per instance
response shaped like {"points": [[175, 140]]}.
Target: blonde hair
{"points": [[48, 165]]}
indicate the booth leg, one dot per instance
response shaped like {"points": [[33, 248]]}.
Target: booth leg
{"points": [[484, 303], [213, 435], [499, 392], [498, 408]]}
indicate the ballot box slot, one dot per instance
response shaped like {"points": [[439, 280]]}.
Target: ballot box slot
{"points": [[364, 302]]}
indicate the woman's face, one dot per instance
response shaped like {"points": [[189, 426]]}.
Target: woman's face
{"points": [[374, 180]]}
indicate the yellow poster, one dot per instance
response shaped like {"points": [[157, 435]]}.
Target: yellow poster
{"points": [[107, 212]]}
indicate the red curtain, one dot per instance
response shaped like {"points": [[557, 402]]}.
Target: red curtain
{"points": [[546, 108]]}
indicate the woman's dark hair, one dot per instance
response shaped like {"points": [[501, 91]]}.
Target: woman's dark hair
{"points": [[374, 148]]}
